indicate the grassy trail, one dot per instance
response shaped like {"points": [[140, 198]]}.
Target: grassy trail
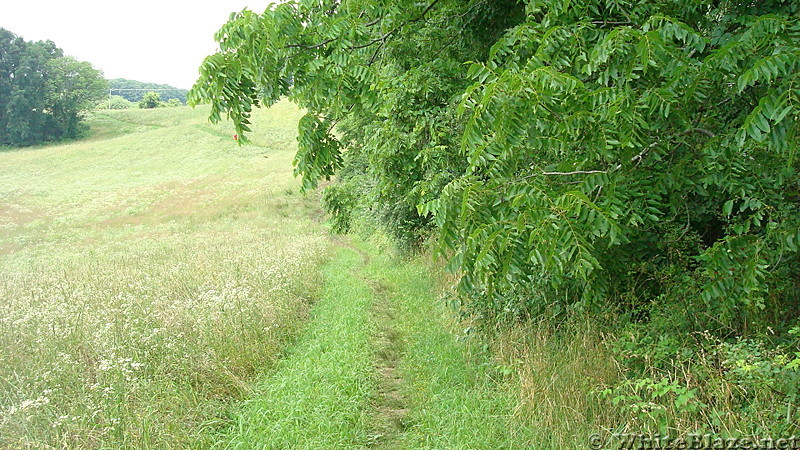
{"points": [[377, 367], [318, 395]]}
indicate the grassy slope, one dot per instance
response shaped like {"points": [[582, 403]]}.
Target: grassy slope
{"points": [[146, 274]]}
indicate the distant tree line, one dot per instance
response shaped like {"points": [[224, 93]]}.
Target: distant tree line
{"points": [[149, 100], [43, 94], [119, 87]]}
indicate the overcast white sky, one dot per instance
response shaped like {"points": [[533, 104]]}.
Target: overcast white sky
{"points": [[145, 40]]}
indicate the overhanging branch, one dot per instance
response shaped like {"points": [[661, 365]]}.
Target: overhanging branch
{"points": [[381, 39]]}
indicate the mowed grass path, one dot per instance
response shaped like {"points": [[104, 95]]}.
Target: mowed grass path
{"points": [[378, 367], [147, 275], [319, 396]]}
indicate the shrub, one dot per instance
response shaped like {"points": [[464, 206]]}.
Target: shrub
{"points": [[115, 102], [151, 100]]}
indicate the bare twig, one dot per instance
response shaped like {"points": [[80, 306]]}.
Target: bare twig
{"points": [[635, 159], [612, 23], [641, 154]]}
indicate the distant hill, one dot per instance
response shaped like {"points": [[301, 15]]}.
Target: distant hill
{"points": [[119, 85]]}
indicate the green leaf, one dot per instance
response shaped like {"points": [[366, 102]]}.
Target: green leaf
{"points": [[727, 208]]}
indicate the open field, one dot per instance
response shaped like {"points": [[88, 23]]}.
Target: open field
{"points": [[146, 275]]}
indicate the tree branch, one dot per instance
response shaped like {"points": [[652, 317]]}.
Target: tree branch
{"points": [[635, 159], [576, 172], [375, 54], [469, 9], [397, 28], [374, 41], [311, 47], [701, 131], [374, 22]]}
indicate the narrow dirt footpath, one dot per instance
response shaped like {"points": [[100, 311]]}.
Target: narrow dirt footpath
{"points": [[390, 403], [435, 390]]}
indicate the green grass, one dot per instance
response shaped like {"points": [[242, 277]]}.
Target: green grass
{"points": [[457, 397], [378, 367], [318, 396], [147, 275]]}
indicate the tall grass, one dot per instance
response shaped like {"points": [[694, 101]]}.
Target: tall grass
{"points": [[623, 385], [147, 275], [560, 375]]}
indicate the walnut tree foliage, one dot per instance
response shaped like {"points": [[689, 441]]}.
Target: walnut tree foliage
{"points": [[638, 155]]}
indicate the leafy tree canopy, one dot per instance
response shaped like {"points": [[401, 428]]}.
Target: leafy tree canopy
{"points": [[592, 153], [43, 94], [72, 87], [151, 100]]}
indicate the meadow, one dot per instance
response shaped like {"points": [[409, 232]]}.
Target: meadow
{"points": [[148, 273], [162, 286]]}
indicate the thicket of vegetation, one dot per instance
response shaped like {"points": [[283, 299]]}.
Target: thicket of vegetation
{"points": [[43, 94], [149, 101], [134, 91], [153, 100], [631, 161]]}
